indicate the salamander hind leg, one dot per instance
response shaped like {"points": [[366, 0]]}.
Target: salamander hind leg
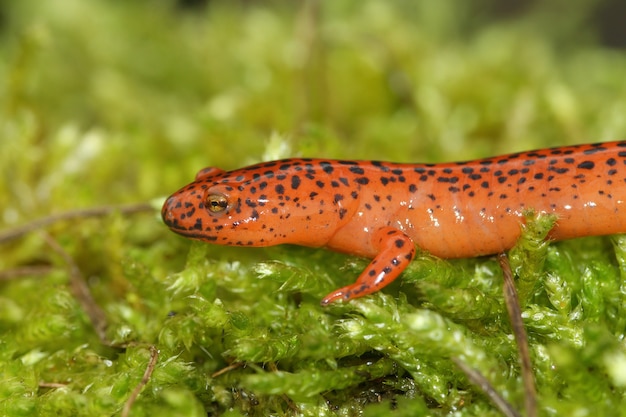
{"points": [[395, 252]]}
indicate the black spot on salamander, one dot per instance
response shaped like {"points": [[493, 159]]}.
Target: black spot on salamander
{"points": [[280, 189], [356, 170], [362, 180], [538, 176], [327, 167], [399, 243], [586, 165], [593, 150], [380, 166], [295, 182]]}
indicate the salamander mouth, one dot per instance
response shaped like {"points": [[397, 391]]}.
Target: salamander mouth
{"points": [[192, 234]]}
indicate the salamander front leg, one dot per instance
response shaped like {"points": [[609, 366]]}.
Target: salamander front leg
{"points": [[395, 252]]}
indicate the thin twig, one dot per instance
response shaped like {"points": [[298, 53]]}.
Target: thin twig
{"points": [[81, 291], [51, 385], [515, 315], [24, 271], [479, 380], [228, 368], [154, 356], [19, 231]]}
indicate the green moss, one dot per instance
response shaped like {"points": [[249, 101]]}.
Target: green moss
{"points": [[119, 102]]}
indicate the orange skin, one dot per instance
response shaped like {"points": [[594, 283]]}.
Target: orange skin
{"points": [[382, 210]]}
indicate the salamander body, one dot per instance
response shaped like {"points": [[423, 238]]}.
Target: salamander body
{"points": [[382, 210]]}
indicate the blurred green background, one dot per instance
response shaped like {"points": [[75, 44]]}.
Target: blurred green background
{"points": [[111, 102]]}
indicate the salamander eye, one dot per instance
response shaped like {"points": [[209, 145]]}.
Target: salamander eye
{"points": [[216, 203]]}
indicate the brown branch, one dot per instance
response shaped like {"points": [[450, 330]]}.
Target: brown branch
{"points": [[515, 315], [154, 356], [228, 368], [481, 382], [81, 291], [20, 231], [15, 273]]}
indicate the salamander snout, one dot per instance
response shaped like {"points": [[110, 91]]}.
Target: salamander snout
{"points": [[170, 213]]}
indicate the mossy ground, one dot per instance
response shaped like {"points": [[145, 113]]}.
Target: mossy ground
{"points": [[119, 102]]}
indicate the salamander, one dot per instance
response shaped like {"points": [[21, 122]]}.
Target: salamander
{"points": [[383, 210]]}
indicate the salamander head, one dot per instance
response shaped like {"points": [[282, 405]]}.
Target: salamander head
{"points": [[265, 204]]}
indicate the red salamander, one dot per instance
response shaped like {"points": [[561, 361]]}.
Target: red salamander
{"points": [[382, 210]]}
